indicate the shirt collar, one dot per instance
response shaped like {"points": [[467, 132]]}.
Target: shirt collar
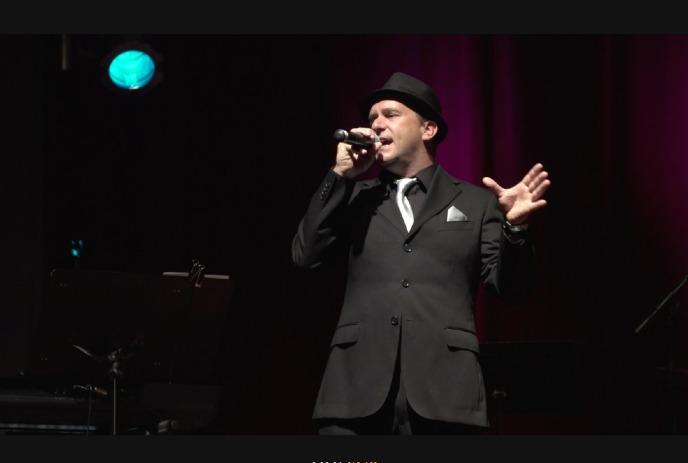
{"points": [[424, 177]]}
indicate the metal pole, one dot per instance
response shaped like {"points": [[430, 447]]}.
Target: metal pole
{"points": [[114, 405], [65, 65]]}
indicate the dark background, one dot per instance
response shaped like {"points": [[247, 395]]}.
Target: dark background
{"points": [[218, 162]]}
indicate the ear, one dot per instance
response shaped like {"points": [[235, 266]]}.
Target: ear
{"points": [[429, 130]]}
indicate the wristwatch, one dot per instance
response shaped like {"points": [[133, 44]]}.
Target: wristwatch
{"points": [[514, 229]]}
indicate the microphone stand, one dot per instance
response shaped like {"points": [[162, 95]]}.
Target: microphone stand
{"points": [[669, 305], [116, 359]]}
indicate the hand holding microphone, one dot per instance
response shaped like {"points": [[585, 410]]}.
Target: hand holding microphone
{"points": [[356, 151]]}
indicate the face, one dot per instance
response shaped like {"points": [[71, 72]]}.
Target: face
{"points": [[401, 130]]}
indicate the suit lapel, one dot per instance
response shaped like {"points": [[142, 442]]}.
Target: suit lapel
{"points": [[386, 207], [442, 191]]}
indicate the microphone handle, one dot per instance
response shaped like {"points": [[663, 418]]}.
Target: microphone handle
{"points": [[344, 137]]}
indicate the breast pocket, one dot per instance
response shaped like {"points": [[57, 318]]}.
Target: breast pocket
{"points": [[462, 225]]}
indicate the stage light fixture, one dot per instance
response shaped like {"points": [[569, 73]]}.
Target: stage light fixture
{"points": [[132, 67], [77, 247]]}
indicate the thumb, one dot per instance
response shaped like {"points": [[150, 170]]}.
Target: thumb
{"points": [[492, 185]]}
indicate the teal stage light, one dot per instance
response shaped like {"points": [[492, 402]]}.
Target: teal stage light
{"points": [[77, 246], [132, 69], [75, 250]]}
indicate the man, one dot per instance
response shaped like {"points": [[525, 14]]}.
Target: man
{"points": [[403, 357]]}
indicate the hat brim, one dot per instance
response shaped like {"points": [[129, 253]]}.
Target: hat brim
{"points": [[413, 102]]}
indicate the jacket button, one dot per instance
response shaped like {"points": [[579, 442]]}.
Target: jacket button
{"points": [[407, 247], [394, 321], [405, 283]]}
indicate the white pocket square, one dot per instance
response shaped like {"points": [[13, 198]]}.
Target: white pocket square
{"points": [[455, 215]]}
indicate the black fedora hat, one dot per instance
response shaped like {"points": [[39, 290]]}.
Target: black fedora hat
{"points": [[412, 92]]}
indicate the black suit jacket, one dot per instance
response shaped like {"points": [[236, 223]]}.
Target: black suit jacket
{"points": [[417, 288]]}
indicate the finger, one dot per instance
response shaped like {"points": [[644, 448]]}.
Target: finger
{"points": [[354, 151], [352, 154], [534, 171], [359, 149], [344, 152], [366, 132], [492, 185], [538, 205], [540, 190], [537, 181], [363, 154], [362, 130]]}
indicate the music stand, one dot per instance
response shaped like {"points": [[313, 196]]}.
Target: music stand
{"points": [[158, 328], [665, 315]]}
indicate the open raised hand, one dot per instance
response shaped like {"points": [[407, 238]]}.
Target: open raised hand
{"points": [[522, 199]]}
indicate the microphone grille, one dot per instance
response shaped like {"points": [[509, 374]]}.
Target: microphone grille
{"points": [[340, 135]]}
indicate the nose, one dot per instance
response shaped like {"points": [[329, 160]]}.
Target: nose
{"points": [[377, 125]]}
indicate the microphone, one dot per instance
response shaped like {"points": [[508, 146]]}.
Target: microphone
{"points": [[354, 139]]}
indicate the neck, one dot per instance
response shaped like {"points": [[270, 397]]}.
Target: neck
{"points": [[410, 170]]}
